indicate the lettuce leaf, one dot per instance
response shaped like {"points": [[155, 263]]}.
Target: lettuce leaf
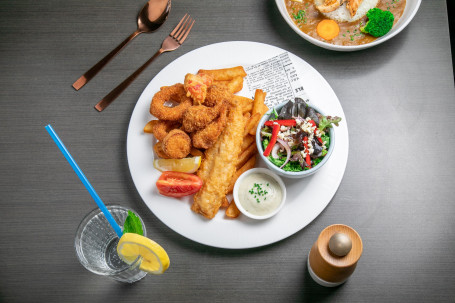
{"points": [[327, 121], [290, 166]]}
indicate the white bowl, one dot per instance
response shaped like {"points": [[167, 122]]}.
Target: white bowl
{"points": [[412, 6], [262, 171], [292, 174]]}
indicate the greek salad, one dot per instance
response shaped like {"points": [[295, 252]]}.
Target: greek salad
{"points": [[297, 138]]}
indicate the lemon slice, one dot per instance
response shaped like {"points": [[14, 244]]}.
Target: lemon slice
{"points": [[185, 165], [154, 258]]}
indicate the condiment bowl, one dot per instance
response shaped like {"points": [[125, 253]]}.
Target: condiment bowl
{"points": [[258, 171], [290, 174], [412, 6]]}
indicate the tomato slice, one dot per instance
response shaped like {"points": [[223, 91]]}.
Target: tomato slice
{"points": [[178, 184]]}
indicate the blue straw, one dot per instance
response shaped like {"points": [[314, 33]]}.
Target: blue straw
{"points": [[84, 180]]}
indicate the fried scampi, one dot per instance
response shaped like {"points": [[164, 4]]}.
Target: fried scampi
{"points": [[177, 144], [160, 128], [207, 136], [158, 148], [217, 126], [198, 117], [215, 94]]}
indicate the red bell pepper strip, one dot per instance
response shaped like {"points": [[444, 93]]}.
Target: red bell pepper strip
{"points": [[281, 122], [308, 160], [275, 131], [314, 124]]}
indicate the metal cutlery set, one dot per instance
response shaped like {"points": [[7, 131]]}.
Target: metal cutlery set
{"points": [[150, 18]]}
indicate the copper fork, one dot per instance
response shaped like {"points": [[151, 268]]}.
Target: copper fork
{"points": [[172, 42]]}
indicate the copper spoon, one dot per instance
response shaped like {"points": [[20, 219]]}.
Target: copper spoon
{"points": [[150, 18]]}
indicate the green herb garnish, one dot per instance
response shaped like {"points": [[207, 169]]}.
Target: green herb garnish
{"points": [[133, 224], [300, 16], [258, 192]]}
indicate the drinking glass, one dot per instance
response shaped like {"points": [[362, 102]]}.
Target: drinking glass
{"points": [[96, 246]]}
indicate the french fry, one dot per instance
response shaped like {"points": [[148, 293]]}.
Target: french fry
{"points": [[235, 85], [225, 202], [245, 155], [196, 152], [232, 211], [148, 128], [259, 98], [247, 107], [247, 141], [225, 73], [247, 117], [264, 109], [244, 102], [255, 126], [251, 125], [248, 165]]}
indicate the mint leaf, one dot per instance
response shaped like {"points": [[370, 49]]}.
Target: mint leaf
{"points": [[133, 224]]}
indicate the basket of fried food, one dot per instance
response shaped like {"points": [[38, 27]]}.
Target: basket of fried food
{"points": [[205, 137]]}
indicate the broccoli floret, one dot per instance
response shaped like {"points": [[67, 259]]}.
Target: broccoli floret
{"points": [[379, 22]]}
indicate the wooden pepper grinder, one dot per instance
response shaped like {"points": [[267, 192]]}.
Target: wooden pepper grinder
{"points": [[334, 255]]}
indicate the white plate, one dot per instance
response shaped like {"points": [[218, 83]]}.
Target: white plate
{"points": [[306, 197], [412, 6]]}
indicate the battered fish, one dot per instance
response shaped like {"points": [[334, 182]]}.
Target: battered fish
{"points": [[219, 165]]}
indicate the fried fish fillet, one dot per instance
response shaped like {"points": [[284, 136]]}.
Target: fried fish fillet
{"points": [[219, 165]]}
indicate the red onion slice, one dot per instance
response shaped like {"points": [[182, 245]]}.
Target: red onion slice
{"points": [[274, 152], [287, 148]]}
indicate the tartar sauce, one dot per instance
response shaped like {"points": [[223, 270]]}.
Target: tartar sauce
{"points": [[260, 194]]}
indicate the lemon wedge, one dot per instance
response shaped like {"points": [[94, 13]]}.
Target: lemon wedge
{"points": [[185, 165], [154, 258]]}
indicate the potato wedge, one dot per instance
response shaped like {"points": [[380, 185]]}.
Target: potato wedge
{"points": [[232, 211], [224, 203]]}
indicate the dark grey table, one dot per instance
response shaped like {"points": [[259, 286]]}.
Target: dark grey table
{"points": [[397, 191]]}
